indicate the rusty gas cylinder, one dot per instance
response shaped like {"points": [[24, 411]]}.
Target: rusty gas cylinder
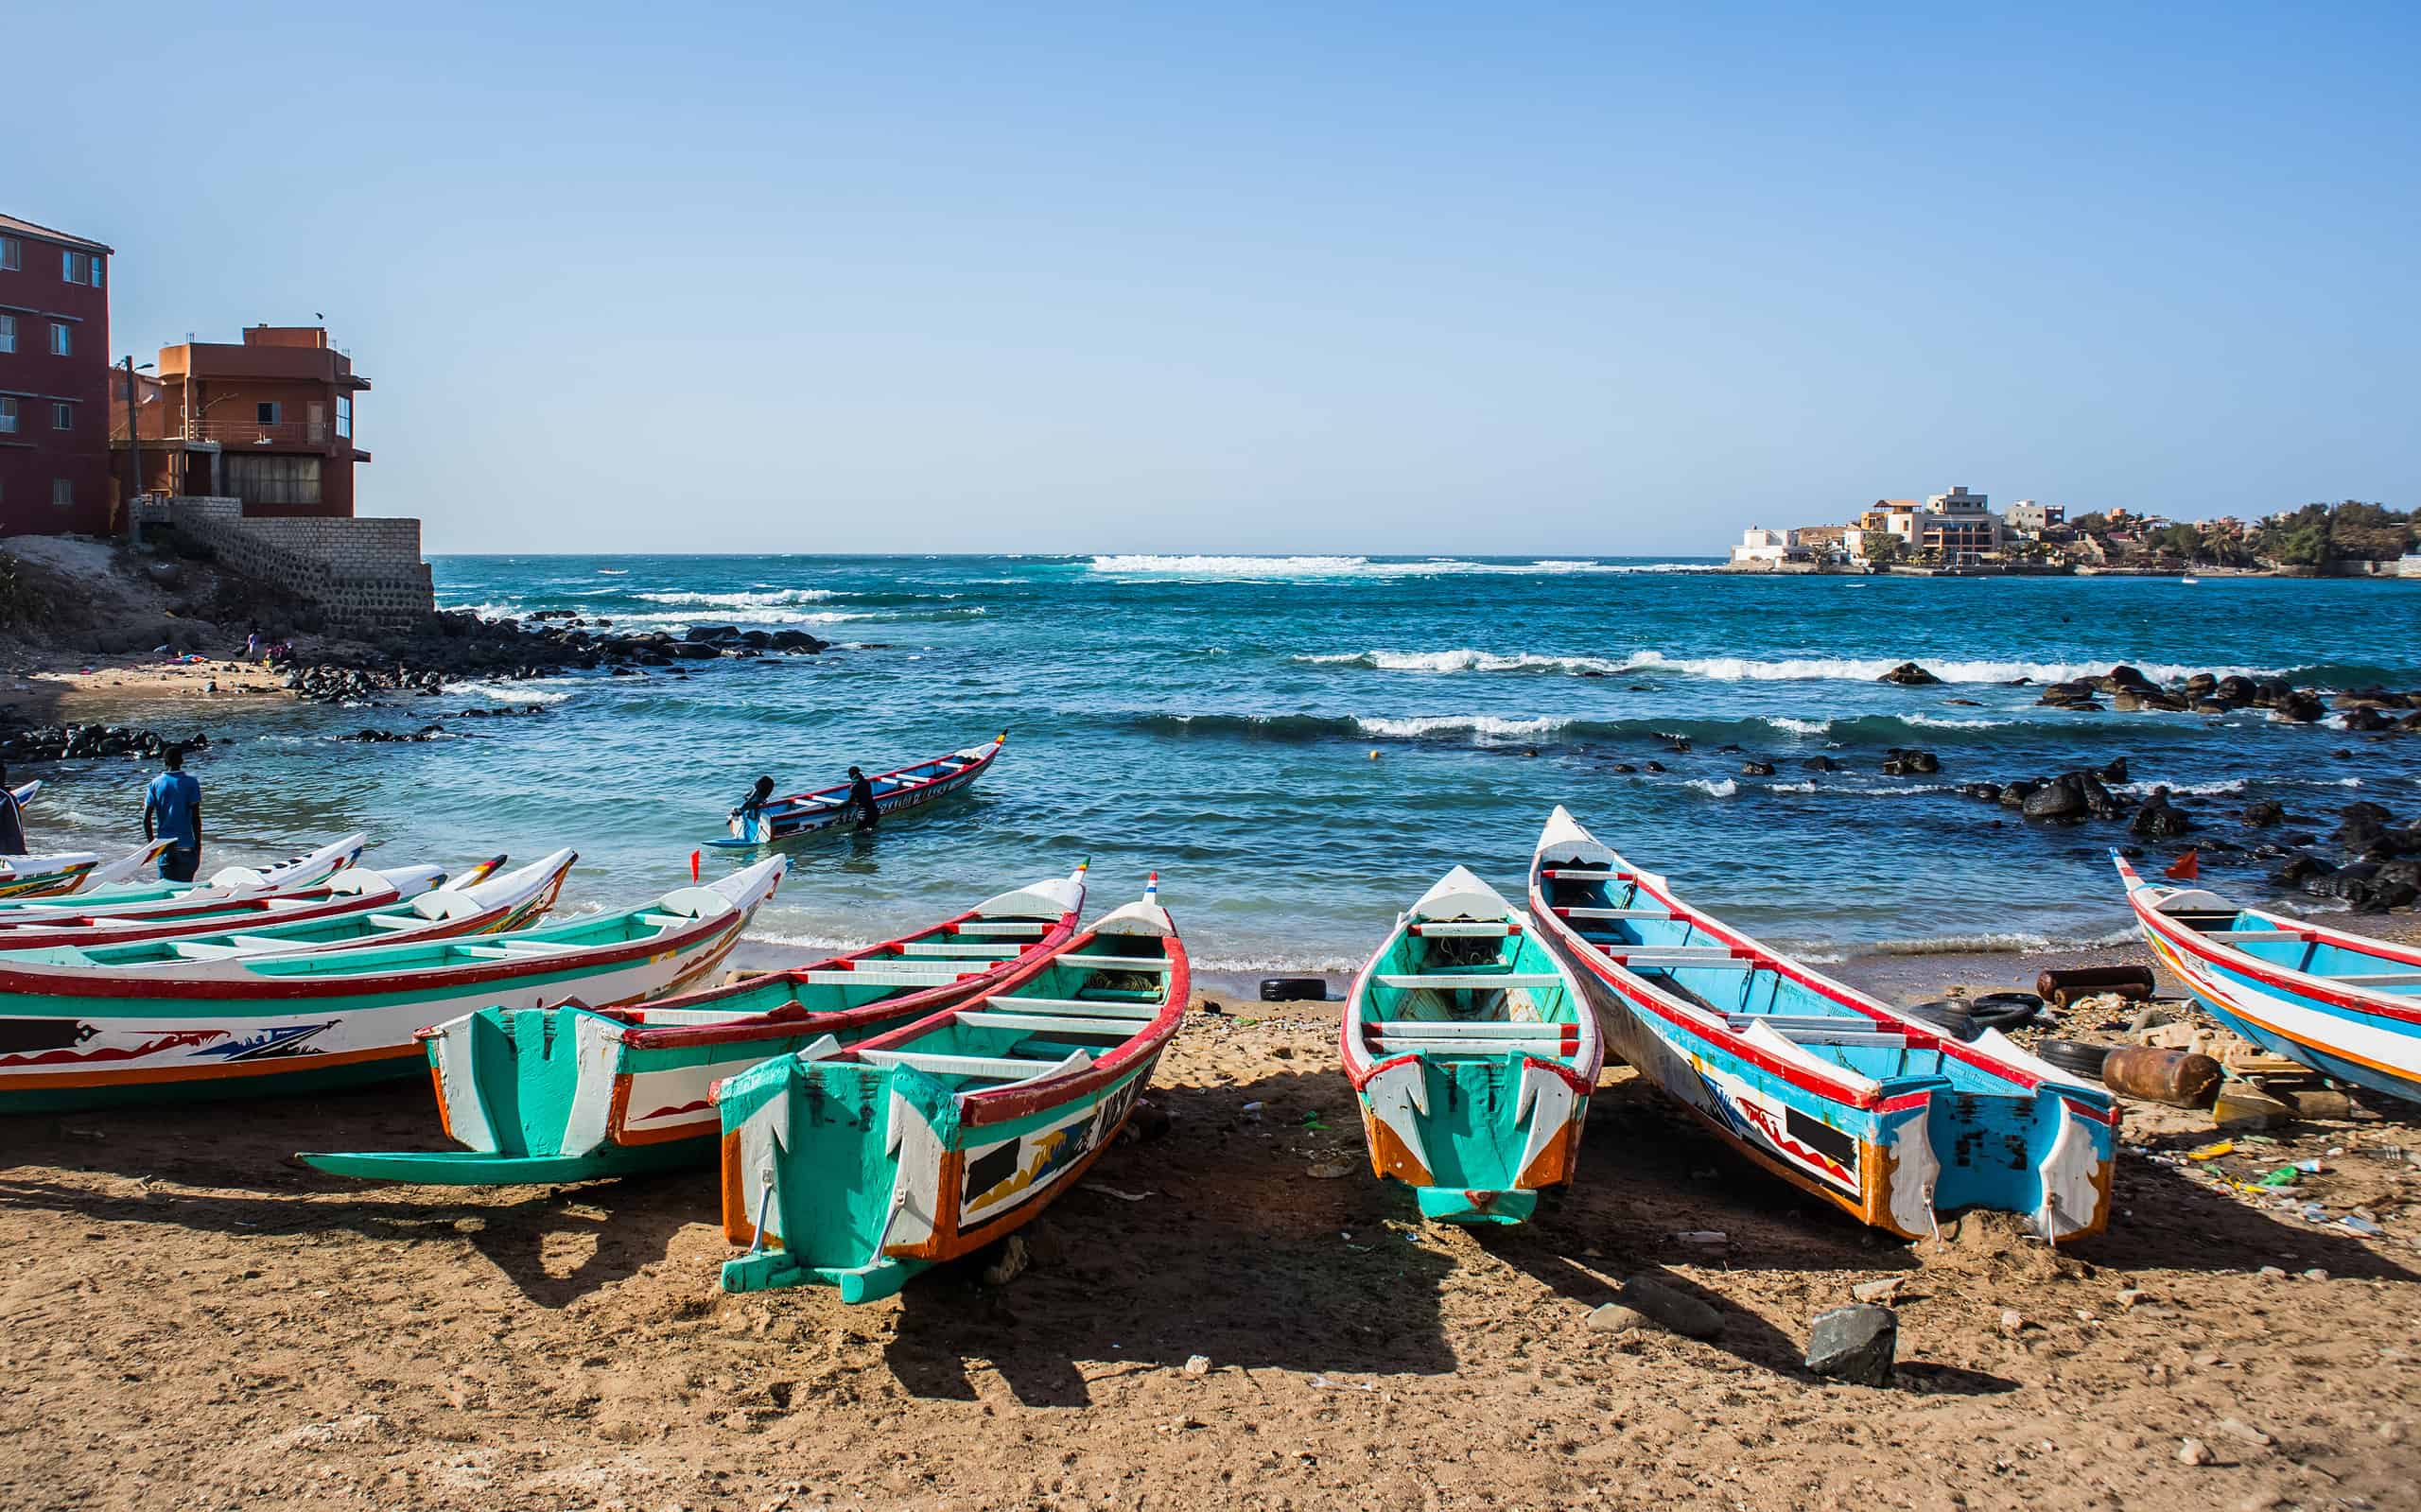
{"points": [[2061, 988], [2177, 1077]]}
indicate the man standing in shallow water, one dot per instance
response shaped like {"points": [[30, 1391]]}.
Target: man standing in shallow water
{"points": [[172, 811]]}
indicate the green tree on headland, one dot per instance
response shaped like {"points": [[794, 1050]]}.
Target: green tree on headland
{"points": [[1883, 549], [2318, 535]]}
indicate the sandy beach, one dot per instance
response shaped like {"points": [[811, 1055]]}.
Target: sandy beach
{"points": [[201, 1322]]}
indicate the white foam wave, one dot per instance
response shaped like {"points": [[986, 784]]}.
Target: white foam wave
{"points": [[1791, 726], [2010, 942], [489, 609], [1722, 787], [1793, 787], [1149, 564], [746, 616], [1480, 724], [1462, 659], [1936, 721], [1866, 670], [2183, 790], [743, 599], [508, 692]]}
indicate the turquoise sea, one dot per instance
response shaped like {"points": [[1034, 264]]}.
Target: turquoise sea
{"points": [[1300, 744]]}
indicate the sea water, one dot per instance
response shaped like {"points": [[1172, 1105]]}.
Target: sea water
{"points": [[1299, 745]]}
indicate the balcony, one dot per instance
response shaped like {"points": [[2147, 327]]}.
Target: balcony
{"points": [[234, 434]]}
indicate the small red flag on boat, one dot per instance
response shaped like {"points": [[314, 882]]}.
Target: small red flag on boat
{"points": [[693, 864], [2186, 868]]}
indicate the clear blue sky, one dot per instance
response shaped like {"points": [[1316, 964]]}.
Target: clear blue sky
{"points": [[1257, 277]]}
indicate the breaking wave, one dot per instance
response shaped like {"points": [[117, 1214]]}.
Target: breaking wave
{"points": [[1282, 567], [508, 692], [744, 600], [1747, 669]]}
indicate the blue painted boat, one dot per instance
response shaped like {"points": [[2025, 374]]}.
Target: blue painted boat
{"points": [[1836, 1092], [1473, 1054], [806, 813], [2344, 1005]]}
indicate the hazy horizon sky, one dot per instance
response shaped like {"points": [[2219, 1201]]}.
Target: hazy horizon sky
{"points": [[1361, 279]]}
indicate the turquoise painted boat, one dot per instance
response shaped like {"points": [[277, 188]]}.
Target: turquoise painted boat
{"points": [[300, 871], [73, 872], [806, 813], [572, 1092], [856, 1166], [1473, 1054], [485, 907], [1839, 1094], [305, 1020], [2344, 1004]]}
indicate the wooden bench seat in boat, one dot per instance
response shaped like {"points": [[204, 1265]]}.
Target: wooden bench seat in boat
{"points": [[1117, 962], [2260, 937], [1011, 929], [1014, 1068], [1583, 874], [940, 974], [1053, 1023], [1467, 1029], [1615, 914], [510, 948], [995, 952], [1459, 930], [1136, 1012], [1467, 979]]}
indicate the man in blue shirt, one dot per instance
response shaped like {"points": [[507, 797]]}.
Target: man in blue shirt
{"points": [[172, 811]]}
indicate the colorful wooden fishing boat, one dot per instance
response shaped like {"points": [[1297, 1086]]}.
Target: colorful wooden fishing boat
{"points": [[496, 903], [572, 1092], [72, 871], [1473, 1054], [857, 1166], [1846, 1098], [300, 871], [302, 1021], [352, 892], [2342, 1004], [805, 813]]}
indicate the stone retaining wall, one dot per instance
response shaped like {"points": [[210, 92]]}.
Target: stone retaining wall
{"points": [[367, 573]]}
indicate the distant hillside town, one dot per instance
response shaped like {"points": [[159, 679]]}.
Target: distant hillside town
{"points": [[1958, 534]]}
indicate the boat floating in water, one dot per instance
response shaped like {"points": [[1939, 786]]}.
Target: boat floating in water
{"points": [[857, 1166], [2344, 1005], [1837, 1093], [301, 1020], [805, 813], [1474, 1055], [572, 1092]]}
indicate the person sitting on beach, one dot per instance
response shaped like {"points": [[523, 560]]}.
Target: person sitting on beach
{"points": [[12, 818], [861, 799], [172, 811]]}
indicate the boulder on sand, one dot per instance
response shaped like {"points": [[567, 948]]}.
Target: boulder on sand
{"points": [[1854, 1344]]}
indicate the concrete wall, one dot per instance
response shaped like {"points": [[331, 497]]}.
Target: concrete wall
{"points": [[366, 573]]}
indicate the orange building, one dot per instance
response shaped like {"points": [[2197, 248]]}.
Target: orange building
{"points": [[268, 422]]}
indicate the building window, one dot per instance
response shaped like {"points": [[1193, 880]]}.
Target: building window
{"points": [[344, 415], [8, 416], [81, 267], [11, 254], [62, 494], [63, 343], [63, 417], [8, 333], [266, 413]]}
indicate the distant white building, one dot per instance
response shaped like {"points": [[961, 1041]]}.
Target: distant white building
{"points": [[1759, 544], [2034, 518]]}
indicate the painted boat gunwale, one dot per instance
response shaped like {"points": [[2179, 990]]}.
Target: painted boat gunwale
{"points": [[319, 904]]}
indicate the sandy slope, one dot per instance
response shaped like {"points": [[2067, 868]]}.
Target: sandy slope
{"points": [[195, 1322]]}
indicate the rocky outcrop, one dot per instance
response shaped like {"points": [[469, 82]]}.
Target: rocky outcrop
{"points": [[83, 742], [1909, 674]]}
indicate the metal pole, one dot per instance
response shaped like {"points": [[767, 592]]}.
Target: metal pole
{"points": [[133, 443]]}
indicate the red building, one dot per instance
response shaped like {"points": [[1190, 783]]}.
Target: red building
{"points": [[268, 422], [54, 382]]}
